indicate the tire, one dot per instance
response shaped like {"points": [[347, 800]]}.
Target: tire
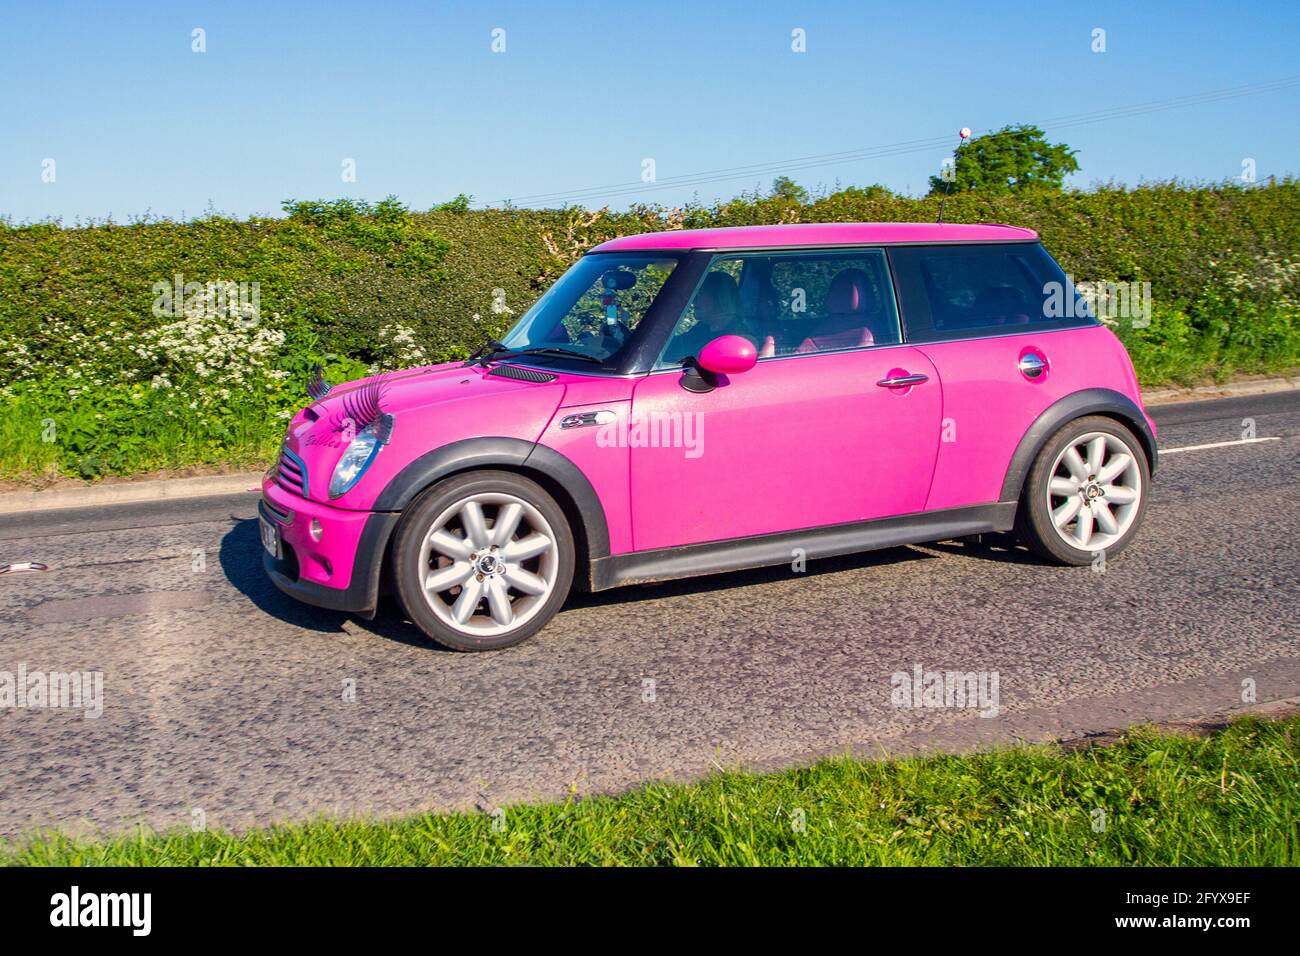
{"points": [[1064, 499], [452, 549]]}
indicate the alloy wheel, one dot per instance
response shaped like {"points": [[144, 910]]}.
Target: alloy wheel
{"points": [[488, 563], [1094, 491]]}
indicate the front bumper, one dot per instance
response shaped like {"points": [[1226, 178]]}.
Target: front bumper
{"points": [[342, 570]]}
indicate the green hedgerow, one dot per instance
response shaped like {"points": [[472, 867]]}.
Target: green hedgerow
{"points": [[99, 374]]}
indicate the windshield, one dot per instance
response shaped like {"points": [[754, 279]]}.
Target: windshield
{"points": [[594, 308]]}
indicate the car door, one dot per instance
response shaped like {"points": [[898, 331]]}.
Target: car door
{"points": [[823, 430]]}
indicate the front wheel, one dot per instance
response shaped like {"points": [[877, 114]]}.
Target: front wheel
{"points": [[483, 560], [1086, 492]]}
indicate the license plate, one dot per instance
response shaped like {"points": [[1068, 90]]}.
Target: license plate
{"points": [[270, 538]]}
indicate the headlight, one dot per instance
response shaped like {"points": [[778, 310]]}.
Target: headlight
{"points": [[357, 459]]}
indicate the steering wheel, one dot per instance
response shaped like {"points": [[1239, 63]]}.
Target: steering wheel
{"points": [[596, 326]]}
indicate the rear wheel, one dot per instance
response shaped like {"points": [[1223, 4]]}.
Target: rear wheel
{"points": [[1086, 492], [483, 560]]}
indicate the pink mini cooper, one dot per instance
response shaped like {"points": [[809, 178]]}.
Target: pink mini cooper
{"points": [[691, 402]]}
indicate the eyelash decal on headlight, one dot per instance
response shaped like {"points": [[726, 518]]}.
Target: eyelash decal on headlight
{"points": [[318, 388], [363, 408]]}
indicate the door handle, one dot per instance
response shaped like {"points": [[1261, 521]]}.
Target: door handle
{"points": [[902, 381]]}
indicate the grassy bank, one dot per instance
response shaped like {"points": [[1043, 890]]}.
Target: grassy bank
{"points": [[1232, 798], [104, 371]]}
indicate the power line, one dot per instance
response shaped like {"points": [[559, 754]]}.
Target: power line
{"points": [[820, 160], [912, 146], [688, 178]]}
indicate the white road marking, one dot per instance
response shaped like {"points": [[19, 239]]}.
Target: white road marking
{"points": [[1218, 444]]}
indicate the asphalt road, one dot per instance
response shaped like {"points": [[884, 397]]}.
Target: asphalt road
{"points": [[225, 702]]}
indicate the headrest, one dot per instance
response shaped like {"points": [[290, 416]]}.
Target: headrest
{"points": [[717, 295], [849, 294]]}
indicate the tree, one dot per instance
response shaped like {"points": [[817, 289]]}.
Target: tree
{"points": [[783, 187], [1013, 158], [460, 203]]}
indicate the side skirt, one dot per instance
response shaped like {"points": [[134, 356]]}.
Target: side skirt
{"points": [[738, 554]]}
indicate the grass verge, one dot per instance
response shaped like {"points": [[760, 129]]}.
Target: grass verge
{"points": [[1151, 798]]}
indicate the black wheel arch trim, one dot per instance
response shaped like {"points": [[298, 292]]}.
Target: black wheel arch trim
{"points": [[516, 453], [1089, 401]]}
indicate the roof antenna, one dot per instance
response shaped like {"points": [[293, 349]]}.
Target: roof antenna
{"points": [[963, 135]]}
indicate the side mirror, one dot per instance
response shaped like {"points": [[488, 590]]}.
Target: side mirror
{"points": [[728, 355], [725, 355]]}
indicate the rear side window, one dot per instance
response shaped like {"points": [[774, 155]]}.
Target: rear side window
{"points": [[968, 291]]}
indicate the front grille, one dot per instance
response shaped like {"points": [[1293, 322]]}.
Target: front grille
{"points": [[282, 515], [291, 473]]}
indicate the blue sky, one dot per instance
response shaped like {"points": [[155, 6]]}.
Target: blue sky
{"points": [[136, 122]]}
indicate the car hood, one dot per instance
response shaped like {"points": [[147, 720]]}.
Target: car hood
{"points": [[431, 407], [407, 389]]}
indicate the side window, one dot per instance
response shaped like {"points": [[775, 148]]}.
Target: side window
{"points": [[967, 291], [790, 303]]}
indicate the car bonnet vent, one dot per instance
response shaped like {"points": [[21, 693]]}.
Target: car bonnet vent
{"points": [[522, 374]]}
